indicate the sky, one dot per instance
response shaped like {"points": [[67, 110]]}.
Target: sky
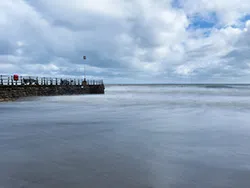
{"points": [[127, 41]]}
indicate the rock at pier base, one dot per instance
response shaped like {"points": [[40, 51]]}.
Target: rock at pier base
{"points": [[10, 93]]}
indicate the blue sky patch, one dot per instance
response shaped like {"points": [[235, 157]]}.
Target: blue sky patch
{"points": [[245, 18], [201, 22], [241, 22], [176, 4]]}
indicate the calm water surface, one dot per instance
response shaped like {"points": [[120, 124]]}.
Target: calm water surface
{"points": [[131, 137]]}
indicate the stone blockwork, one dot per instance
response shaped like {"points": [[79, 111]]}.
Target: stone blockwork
{"points": [[10, 93]]}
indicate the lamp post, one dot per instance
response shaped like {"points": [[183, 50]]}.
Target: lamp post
{"points": [[84, 81], [84, 58]]}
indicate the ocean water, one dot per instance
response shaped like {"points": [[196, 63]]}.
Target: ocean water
{"points": [[151, 136]]}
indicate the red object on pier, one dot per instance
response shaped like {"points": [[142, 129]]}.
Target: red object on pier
{"points": [[15, 77]]}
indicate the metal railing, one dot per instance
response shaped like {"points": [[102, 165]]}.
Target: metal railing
{"points": [[32, 80]]}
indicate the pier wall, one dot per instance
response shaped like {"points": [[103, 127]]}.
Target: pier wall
{"points": [[13, 92]]}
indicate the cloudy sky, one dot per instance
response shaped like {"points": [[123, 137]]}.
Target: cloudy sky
{"points": [[127, 41]]}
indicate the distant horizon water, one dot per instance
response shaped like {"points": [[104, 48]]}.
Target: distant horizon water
{"points": [[177, 83]]}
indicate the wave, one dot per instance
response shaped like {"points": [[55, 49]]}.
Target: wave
{"points": [[219, 86]]}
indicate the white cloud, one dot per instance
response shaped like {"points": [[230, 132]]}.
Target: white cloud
{"points": [[141, 38]]}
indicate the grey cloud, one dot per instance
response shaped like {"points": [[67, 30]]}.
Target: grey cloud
{"points": [[238, 55], [6, 47], [56, 36], [238, 58], [200, 52], [72, 26], [143, 34]]}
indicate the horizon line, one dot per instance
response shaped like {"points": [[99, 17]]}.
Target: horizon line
{"points": [[177, 83]]}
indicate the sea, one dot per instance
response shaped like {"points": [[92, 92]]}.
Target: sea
{"points": [[133, 136]]}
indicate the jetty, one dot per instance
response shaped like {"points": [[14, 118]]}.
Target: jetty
{"points": [[13, 87]]}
